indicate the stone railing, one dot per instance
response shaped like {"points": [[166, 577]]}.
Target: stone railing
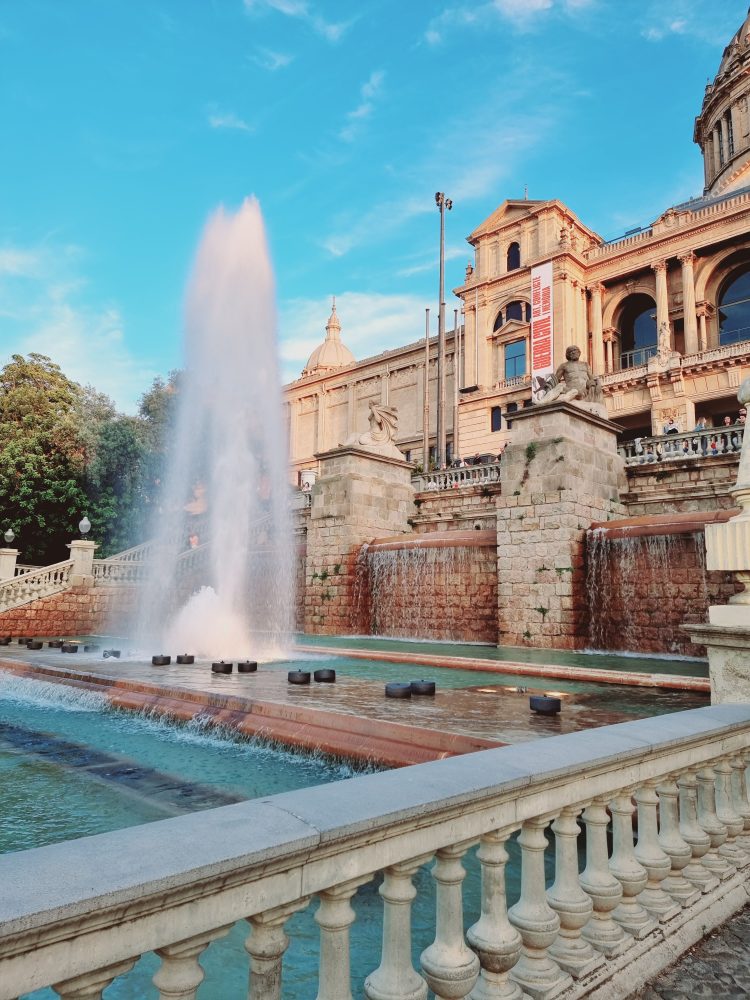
{"points": [[514, 383], [449, 479], [300, 500], [35, 584], [25, 568], [79, 914], [616, 246], [118, 571], [733, 350], [138, 553], [710, 443]]}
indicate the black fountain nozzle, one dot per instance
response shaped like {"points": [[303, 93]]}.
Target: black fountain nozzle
{"points": [[544, 705], [160, 660], [111, 652], [221, 667], [298, 677], [5, 640], [185, 658], [91, 647], [69, 647], [247, 666], [422, 687], [326, 675], [396, 689], [34, 644], [55, 643]]}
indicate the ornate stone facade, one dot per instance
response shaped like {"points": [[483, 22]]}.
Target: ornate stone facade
{"points": [[661, 315]]}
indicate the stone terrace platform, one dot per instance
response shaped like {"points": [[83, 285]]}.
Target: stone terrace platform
{"points": [[351, 718]]}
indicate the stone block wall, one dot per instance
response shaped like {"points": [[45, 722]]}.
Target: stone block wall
{"points": [[681, 486], [456, 510], [540, 567], [78, 611]]}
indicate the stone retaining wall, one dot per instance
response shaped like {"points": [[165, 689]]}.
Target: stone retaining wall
{"points": [[79, 611], [677, 486]]}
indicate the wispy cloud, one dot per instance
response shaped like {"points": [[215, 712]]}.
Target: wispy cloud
{"points": [[700, 19], [368, 93], [270, 60], [303, 11], [521, 14], [422, 263], [228, 120], [366, 319], [44, 308]]}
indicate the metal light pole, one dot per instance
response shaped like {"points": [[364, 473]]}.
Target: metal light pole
{"points": [[456, 370], [426, 402], [442, 203]]}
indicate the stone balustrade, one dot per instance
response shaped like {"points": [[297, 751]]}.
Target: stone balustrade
{"points": [[138, 553], [707, 443], [119, 571], [25, 568], [78, 915], [448, 479], [35, 584]]}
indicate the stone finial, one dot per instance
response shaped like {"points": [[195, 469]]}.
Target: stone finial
{"points": [[333, 326]]}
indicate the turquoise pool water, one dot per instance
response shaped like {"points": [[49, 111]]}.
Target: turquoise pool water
{"points": [[53, 740], [595, 660]]}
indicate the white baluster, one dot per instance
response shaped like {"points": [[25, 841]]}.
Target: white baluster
{"points": [[740, 799], [537, 973], [674, 846], [266, 945], [449, 966], [717, 832], [493, 937], [566, 897], [628, 871], [180, 973], [395, 978], [604, 889], [89, 985], [334, 917], [652, 857], [693, 834], [727, 815]]}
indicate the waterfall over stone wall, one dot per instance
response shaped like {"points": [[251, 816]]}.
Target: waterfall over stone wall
{"points": [[433, 591]]}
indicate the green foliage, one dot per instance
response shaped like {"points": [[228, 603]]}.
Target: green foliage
{"points": [[530, 452], [542, 611]]}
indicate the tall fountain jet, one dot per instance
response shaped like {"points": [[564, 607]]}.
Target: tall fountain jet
{"points": [[221, 580]]}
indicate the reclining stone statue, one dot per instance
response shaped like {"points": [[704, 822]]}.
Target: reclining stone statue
{"points": [[573, 380], [380, 437]]}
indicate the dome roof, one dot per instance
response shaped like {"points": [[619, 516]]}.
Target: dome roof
{"points": [[739, 45], [331, 354]]}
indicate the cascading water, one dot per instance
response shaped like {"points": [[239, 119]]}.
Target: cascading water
{"points": [[229, 463], [641, 588]]}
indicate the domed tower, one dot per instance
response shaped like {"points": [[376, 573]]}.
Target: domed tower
{"points": [[331, 354], [722, 129]]}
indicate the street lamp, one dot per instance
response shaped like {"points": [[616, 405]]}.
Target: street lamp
{"points": [[84, 526], [443, 204], [9, 536]]}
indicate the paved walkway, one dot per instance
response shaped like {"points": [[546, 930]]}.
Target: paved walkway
{"points": [[717, 967]]}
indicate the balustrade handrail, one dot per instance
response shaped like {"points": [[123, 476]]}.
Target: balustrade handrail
{"points": [[698, 444], [448, 479], [75, 908], [26, 568], [35, 583]]}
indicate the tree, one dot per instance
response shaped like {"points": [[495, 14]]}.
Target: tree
{"points": [[42, 456]]}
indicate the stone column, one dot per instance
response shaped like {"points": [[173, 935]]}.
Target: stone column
{"points": [[662, 294], [597, 331], [82, 554], [708, 159], [610, 339], [320, 444], [180, 973], [8, 563], [688, 303]]}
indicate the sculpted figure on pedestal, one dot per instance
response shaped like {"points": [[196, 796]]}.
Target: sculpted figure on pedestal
{"points": [[573, 380], [381, 436]]}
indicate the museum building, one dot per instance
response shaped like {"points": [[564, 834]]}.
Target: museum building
{"points": [[662, 314]]}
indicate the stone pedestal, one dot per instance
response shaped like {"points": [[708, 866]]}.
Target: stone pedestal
{"points": [[358, 496], [728, 659], [560, 473], [8, 563], [82, 554]]}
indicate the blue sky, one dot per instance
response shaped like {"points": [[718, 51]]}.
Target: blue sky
{"points": [[126, 122]]}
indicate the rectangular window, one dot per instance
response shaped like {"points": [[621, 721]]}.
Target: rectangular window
{"points": [[515, 359], [496, 419], [730, 132], [720, 144]]}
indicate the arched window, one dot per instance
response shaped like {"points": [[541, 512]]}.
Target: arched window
{"points": [[637, 328], [496, 419], [513, 258], [498, 322], [734, 308], [520, 311]]}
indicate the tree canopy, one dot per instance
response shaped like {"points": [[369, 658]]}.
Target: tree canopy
{"points": [[65, 451]]}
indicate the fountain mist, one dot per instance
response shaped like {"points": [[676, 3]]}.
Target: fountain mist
{"points": [[226, 491]]}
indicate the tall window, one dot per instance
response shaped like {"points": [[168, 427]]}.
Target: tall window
{"points": [[515, 359], [730, 132], [496, 418], [734, 309], [720, 142], [513, 259], [518, 310], [637, 331]]}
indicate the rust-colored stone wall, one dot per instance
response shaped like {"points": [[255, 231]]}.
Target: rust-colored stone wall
{"points": [[78, 611], [642, 589], [456, 510]]}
